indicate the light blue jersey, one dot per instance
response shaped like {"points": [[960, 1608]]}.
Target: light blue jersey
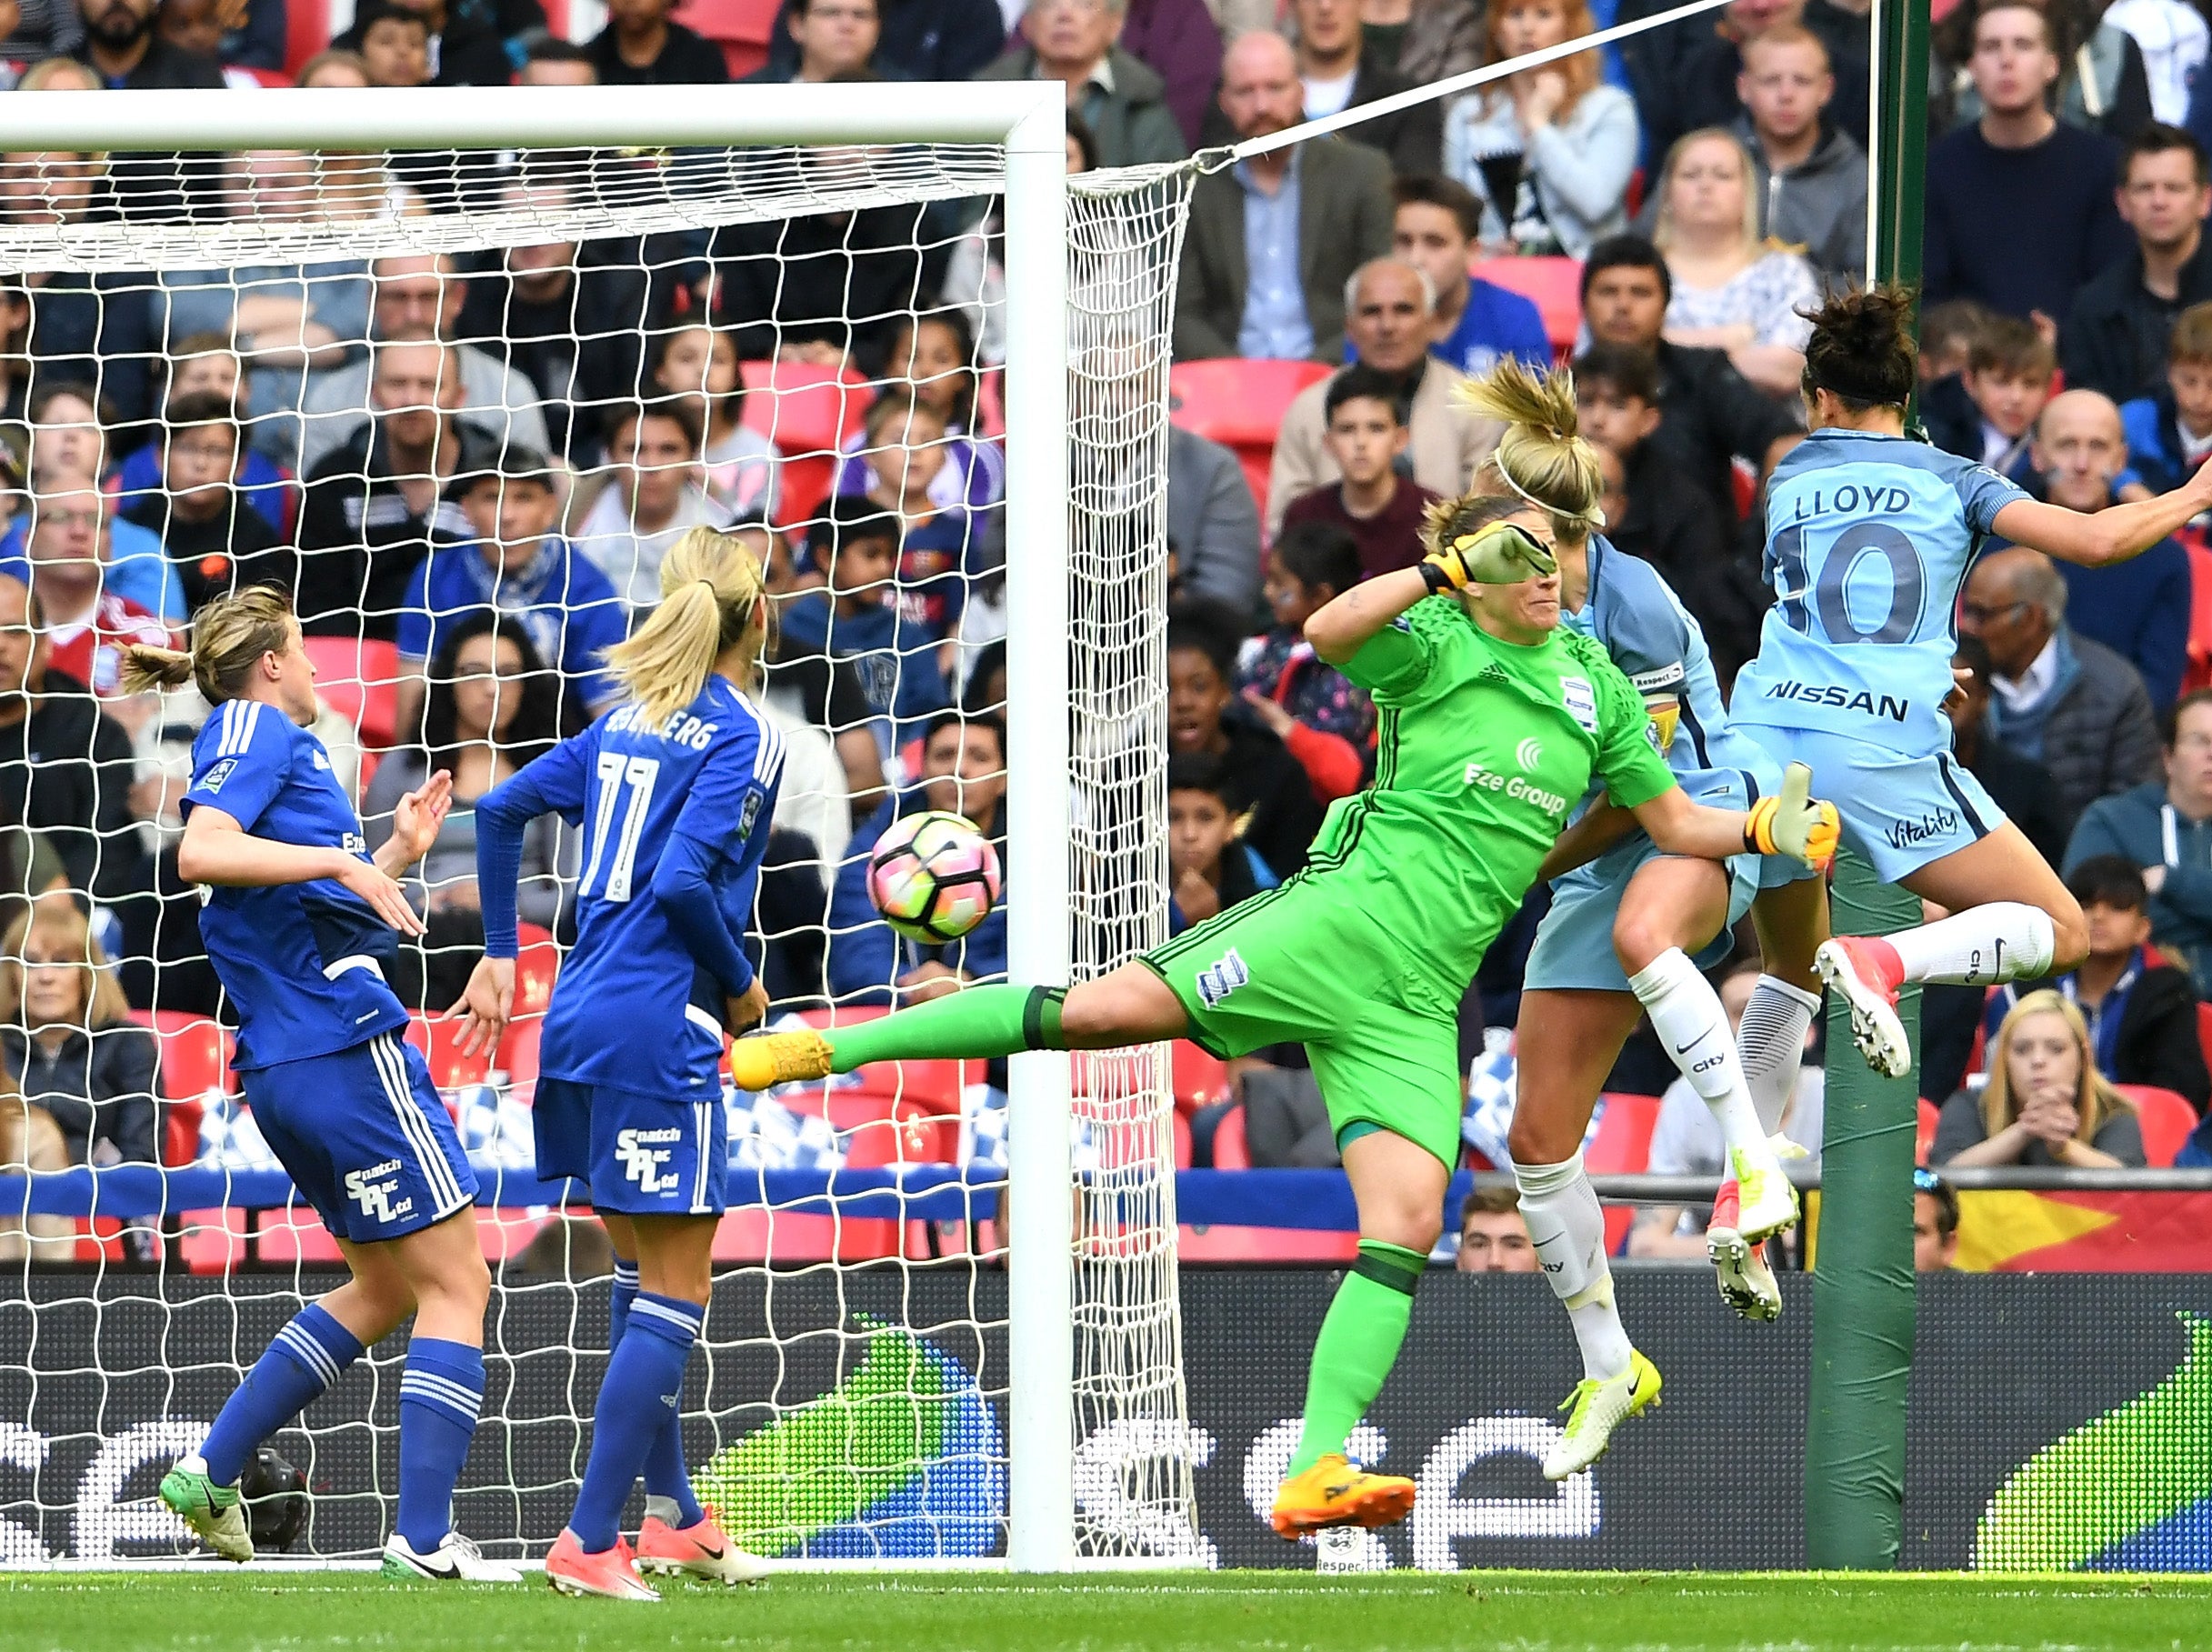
{"points": [[1633, 613], [1636, 615], [1869, 538]]}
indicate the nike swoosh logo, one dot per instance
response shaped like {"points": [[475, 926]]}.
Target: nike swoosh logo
{"points": [[712, 1554], [1684, 1049]]}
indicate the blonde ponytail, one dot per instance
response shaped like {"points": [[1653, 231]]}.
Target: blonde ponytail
{"points": [[710, 590], [1542, 457], [229, 635]]}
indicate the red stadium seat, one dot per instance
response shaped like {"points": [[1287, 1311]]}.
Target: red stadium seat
{"points": [[1199, 1079], [1182, 1140], [1621, 1147], [1230, 1150], [2166, 1120], [2204, 1031], [2197, 673], [439, 1039], [358, 678], [1240, 404], [306, 31], [536, 962], [194, 1058], [517, 1056], [1556, 285], [807, 411], [1924, 1134], [742, 28]]}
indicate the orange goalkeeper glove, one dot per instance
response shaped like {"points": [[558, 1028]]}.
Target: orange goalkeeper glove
{"points": [[1795, 823]]}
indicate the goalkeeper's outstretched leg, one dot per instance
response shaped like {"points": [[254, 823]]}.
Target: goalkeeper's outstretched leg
{"points": [[1131, 1005]]}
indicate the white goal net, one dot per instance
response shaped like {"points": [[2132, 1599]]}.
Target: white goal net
{"points": [[460, 401]]}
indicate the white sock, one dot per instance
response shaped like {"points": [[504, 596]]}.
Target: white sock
{"points": [[1686, 1012], [1770, 1045], [1567, 1228], [2003, 941]]}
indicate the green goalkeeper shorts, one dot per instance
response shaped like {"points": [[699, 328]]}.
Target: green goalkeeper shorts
{"points": [[1302, 964]]}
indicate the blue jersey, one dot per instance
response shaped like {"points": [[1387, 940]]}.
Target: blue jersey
{"points": [[1869, 538], [632, 1007], [304, 965], [1633, 613]]}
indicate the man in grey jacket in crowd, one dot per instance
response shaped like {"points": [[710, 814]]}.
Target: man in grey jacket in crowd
{"points": [[2058, 698], [2166, 829]]}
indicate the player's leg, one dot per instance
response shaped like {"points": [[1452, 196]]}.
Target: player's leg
{"points": [[1390, 1080], [332, 1125], [1567, 1043], [1792, 920], [1131, 1005], [441, 1395], [642, 1390], [671, 1502], [1670, 900], [1400, 1189], [2011, 920], [302, 1360]]}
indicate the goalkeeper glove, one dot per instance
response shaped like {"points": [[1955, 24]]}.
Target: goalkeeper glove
{"points": [[1795, 823], [1503, 554]]}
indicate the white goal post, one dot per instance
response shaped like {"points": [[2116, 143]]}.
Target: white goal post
{"points": [[1091, 1333]]}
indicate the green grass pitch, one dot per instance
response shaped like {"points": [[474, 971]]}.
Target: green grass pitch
{"points": [[153, 1610]]}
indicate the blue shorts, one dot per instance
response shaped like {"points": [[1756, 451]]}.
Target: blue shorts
{"points": [[1573, 951], [1900, 811], [365, 1138], [640, 1155]]}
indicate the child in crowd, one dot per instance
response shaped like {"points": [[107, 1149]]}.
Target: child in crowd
{"points": [[1210, 867], [2009, 368], [1366, 435], [1313, 707], [1206, 715], [856, 615], [907, 450], [1948, 334], [213, 538], [2169, 434], [2141, 1012], [518, 567], [204, 364], [931, 361], [739, 465], [393, 44]]}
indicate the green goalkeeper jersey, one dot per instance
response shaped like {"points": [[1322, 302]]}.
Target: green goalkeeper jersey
{"points": [[1486, 747]]}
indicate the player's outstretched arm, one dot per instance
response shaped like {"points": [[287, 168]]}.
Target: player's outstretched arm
{"points": [[1792, 823], [2110, 535], [216, 849]]}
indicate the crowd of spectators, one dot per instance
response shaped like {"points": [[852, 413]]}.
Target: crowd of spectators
{"points": [[475, 461]]}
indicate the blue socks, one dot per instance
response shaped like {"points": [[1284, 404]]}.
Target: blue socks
{"points": [[302, 1360], [665, 1476], [639, 1398], [440, 1393]]}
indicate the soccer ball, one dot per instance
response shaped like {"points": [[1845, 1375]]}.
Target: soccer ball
{"points": [[934, 876]]}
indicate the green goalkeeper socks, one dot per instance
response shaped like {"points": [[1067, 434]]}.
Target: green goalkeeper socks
{"points": [[976, 1023], [1358, 1345]]}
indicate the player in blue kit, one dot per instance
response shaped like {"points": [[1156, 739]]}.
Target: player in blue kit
{"points": [[1628, 926], [1869, 538], [300, 924], [674, 790]]}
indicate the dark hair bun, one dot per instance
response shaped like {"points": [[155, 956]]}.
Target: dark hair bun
{"points": [[1862, 347]]}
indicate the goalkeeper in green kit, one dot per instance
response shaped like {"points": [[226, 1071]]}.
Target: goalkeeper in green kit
{"points": [[1495, 722]]}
